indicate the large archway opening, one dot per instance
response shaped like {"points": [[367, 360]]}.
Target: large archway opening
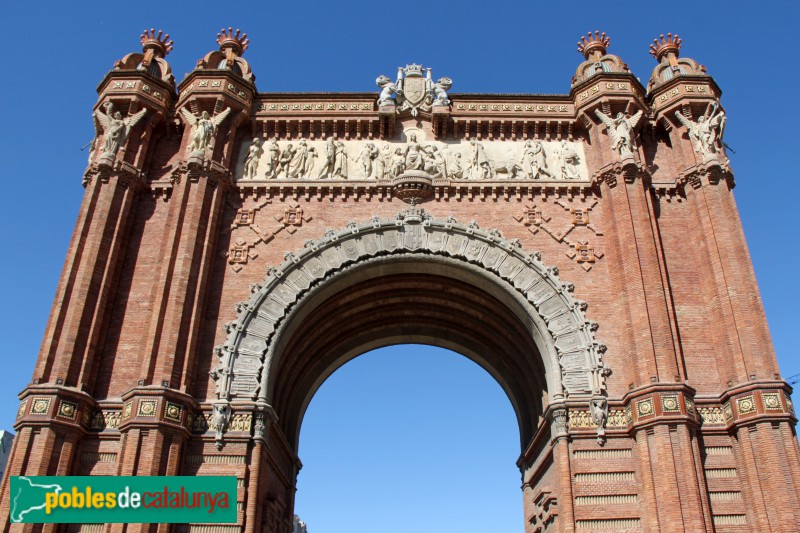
{"points": [[408, 299], [413, 279], [409, 438]]}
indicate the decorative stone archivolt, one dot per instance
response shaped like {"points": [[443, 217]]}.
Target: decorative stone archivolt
{"points": [[334, 159], [245, 356]]}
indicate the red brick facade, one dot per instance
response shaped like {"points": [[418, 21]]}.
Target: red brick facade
{"points": [[200, 307]]}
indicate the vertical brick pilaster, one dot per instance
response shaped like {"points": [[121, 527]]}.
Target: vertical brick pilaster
{"points": [[694, 499], [566, 499], [723, 329], [254, 474], [650, 517], [742, 288], [748, 471], [87, 282], [665, 477], [693, 457], [636, 254], [168, 352]]}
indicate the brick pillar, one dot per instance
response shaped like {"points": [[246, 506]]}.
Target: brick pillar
{"points": [[179, 287], [256, 475], [89, 277], [636, 261], [739, 306], [43, 450], [768, 477], [560, 444]]}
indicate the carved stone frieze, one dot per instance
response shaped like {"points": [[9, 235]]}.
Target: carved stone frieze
{"points": [[312, 160]]}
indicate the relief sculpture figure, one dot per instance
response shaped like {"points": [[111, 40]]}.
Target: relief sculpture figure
{"points": [[398, 162], [203, 128], [273, 158], [414, 156], [340, 161], [286, 158], [383, 162], [455, 168], [620, 128], [368, 153], [706, 132], [253, 155], [329, 158], [299, 162], [480, 167], [568, 162], [116, 128], [534, 160]]}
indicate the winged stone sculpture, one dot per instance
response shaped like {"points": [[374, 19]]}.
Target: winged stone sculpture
{"points": [[204, 128], [620, 128], [707, 131], [116, 128]]}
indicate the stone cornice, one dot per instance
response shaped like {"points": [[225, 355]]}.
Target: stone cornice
{"points": [[128, 84]]}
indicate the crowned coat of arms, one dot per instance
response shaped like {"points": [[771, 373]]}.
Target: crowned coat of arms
{"points": [[414, 90]]}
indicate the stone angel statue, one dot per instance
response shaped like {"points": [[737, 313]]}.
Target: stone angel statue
{"points": [[115, 127], [620, 128], [707, 131], [204, 128]]}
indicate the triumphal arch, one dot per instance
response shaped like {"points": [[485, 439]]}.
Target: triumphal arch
{"points": [[236, 247]]}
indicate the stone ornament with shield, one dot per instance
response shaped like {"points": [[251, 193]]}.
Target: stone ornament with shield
{"points": [[414, 90]]}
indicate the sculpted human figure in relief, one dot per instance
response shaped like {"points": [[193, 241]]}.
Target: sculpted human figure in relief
{"points": [[620, 128], [116, 128], [383, 162], [286, 158], [299, 162], [253, 155], [534, 160], [273, 159], [368, 153], [455, 169], [706, 132], [414, 157], [568, 161], [329, 158], [480, 167], [203, 128], [398, 162], [340, 161]]}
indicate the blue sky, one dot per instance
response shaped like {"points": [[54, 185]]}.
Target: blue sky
{"points": [[405, 436]]}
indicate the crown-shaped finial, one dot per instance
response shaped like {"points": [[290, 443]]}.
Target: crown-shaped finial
{"points": [[672, 44], [593, 43], [158, 43], [237, 41]]}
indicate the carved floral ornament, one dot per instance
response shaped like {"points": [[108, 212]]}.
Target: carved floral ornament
{"points": [[246, 355]]}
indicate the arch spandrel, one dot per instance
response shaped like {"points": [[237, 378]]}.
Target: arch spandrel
{"points": [[570, 354]]}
